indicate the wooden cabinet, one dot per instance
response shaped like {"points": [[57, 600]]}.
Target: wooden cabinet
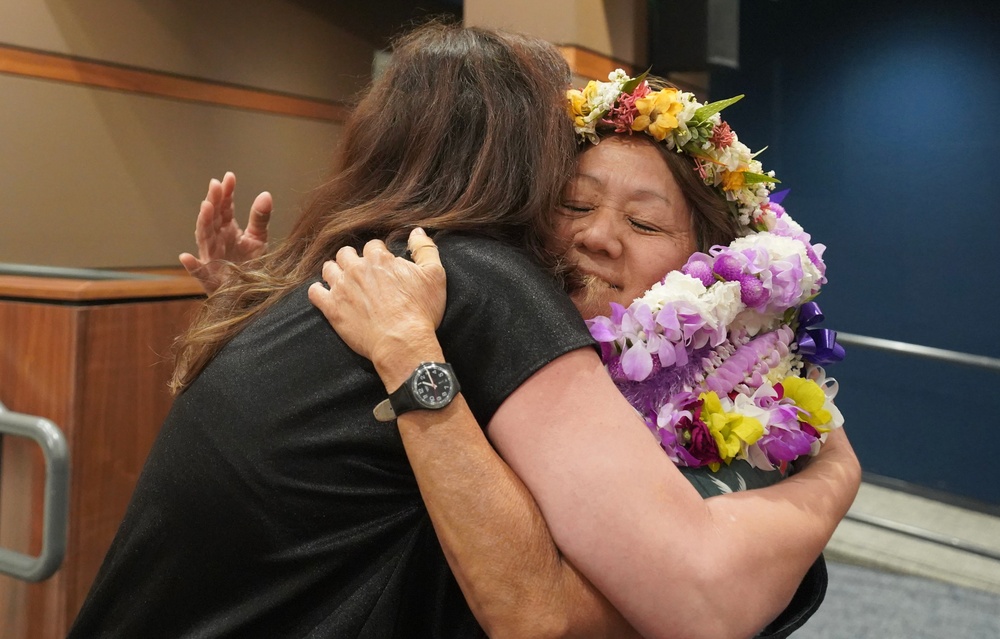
{"points": [[94, 358]]}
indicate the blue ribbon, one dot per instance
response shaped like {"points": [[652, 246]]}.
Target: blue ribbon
{"points": [[817, 345], [778, 196]]}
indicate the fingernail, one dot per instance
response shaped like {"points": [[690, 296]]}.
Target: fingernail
{"points": [[419, 231]]}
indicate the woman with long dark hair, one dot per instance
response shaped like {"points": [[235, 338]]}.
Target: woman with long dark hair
{"points": [[272, 503]]}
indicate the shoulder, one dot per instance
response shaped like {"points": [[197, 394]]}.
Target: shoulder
{"points": [[505, 318], [488, 277], [469, 255], [486, 271]]}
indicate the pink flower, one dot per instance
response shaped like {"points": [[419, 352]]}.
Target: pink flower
{"points": [[622, 115], [787, 437], [722, 136], [607, 329]]}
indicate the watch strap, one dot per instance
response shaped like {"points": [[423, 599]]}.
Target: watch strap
{"points": [[403, 400], [383, 411]]}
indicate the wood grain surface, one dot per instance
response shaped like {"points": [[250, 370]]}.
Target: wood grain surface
{"points": [[99, 372]]}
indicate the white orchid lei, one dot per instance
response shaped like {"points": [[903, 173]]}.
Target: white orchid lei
{"points": [[722, 358]]}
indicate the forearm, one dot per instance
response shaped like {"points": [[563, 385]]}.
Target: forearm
{"points": [[753, 546], [778, 532], [673, 564], [731, 566], [494, 537], [491, 530]]}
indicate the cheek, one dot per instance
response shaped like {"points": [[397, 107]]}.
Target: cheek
{"points": [[654, 265]]}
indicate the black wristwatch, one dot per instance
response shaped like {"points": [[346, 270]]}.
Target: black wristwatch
{"points": [[432, 386]]}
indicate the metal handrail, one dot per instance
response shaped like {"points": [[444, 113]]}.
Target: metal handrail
{"points": [[917, 350], [924, 535], [56, 507], [939, 354]]}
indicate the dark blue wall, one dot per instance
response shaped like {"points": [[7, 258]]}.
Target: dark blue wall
{"points": [[885, 123]]}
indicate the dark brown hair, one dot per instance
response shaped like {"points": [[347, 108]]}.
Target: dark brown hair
{"points": [[712, 215], [466, 130]]}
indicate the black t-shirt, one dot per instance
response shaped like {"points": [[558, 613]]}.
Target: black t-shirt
{"points": [[274, 505]]}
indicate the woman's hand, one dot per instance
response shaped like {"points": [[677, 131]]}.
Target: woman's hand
{"points": [[220, 238], [381, 305]]}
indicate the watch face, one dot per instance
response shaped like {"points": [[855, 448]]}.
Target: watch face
{"points": [[433, 386]]}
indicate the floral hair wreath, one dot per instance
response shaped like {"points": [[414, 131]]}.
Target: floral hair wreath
{"points": [[676, 118], [722, 357]]}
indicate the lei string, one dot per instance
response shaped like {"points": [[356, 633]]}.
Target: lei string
{"points": [[723, 358]]}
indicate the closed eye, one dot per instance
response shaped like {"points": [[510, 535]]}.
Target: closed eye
{"points": [[577, 207], [640, 226]]}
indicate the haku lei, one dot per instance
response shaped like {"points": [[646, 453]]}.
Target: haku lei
{"points": [[722, 359]]}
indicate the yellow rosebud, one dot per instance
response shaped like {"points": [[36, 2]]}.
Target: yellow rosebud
{"points": [[578, 107], [577, 102], [808, 396]]}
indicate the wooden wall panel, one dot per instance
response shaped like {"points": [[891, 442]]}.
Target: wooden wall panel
{"points": [[37, 376], [123, 395], [99, 372], [131, 169]]}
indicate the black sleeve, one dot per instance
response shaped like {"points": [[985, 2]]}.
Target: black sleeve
{"points": [[505, 319]]}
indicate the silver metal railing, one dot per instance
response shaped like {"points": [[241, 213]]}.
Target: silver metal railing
{"points": [[939, 354], [916, 350], [924, 535], [56, 506]]}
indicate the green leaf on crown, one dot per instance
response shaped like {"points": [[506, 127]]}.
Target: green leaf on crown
{"points": [[709, 110], [758, 178], [630, 86]]}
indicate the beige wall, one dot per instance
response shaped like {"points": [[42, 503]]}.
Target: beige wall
{"points": [[94, 177], [614, 28]]}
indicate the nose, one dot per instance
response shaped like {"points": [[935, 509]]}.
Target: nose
{"points": [[599, 233]]}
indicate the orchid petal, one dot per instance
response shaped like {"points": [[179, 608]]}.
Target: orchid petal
{"points": [[637, 363]]}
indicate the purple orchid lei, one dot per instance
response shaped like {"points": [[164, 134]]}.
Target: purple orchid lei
{"points": [[722, 358]]}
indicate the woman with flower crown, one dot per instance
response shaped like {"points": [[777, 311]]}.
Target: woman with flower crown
{"points": [[729, 339]]}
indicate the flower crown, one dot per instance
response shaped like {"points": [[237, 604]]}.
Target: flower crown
{"points": [[723, 357], [676, 118]]}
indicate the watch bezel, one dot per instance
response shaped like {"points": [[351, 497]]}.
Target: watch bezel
{"points": [[425, 368]]}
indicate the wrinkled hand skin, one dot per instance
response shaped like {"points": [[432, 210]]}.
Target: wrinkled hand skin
{"points": [[379, 303]]}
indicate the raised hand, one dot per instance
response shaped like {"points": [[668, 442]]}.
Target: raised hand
{"points": [[379, 303], [219, 237]]}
